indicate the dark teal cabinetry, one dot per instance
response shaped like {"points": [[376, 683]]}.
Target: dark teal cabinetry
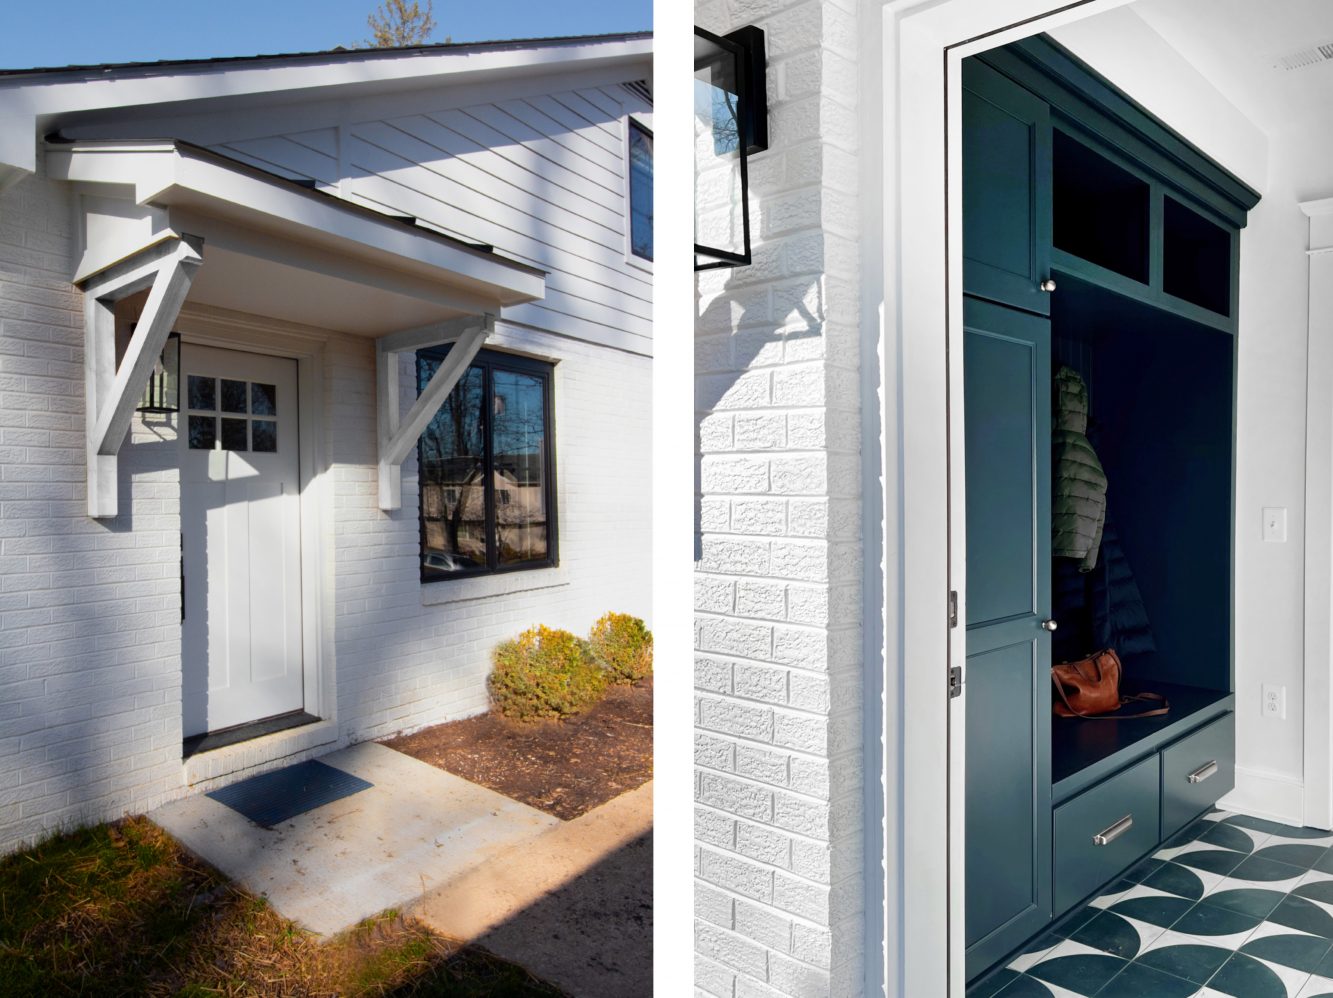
{"points": [[1007, 364], [1006, 190], [1196, 771], [1105, 829], [1093, 238]]}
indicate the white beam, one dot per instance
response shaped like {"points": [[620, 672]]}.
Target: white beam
{"points": [[431, 335], [113, 393], [170, 287], [398, 434]]}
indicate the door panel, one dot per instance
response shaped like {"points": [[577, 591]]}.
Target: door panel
{"points": [[241, 539], [1006, 190], [1007, 403]]}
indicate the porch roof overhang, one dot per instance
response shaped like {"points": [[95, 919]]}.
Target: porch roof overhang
{"points": [[276, 248], [177, 221]]}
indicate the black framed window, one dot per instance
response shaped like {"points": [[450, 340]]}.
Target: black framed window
{"points": [[640, 190], [486, 469]]}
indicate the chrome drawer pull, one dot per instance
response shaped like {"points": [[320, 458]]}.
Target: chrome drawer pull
{"points": [[1108, 835], [1203, 772]]}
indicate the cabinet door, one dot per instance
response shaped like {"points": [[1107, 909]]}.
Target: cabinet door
{"points": [[1006, 190], [1007, 684]]}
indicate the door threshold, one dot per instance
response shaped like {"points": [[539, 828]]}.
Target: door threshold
{"points": [[223, 737]]}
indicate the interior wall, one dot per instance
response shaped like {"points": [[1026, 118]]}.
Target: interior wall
{"points": [[1271, 383], [1270, 467]]}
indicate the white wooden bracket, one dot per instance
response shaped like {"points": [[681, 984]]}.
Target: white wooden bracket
{"points": [[398, 433], [166, 269]]}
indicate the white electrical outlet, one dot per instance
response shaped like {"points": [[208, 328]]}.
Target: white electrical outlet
{"points": [[1274, 701]]}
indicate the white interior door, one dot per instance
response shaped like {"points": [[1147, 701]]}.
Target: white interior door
{"points": [[241, 538]]}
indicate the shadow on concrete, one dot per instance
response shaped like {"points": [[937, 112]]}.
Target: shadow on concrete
{"points": [[591, 938]]}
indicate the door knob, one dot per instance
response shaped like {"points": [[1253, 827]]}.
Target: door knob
{"points": [[1048, 285], [1049, 625]]}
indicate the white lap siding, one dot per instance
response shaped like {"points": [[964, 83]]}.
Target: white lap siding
{"points": [[779, 881]]}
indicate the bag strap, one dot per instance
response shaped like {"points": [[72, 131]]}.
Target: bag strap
{"points": [[1155, 712]]}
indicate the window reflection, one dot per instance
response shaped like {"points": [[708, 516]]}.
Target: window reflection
{"points": [[485, 471], [520, 480], [452, 469]]}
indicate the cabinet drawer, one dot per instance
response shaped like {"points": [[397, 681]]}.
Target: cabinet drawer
{"points": [[1196, 771], [1105, 829]]}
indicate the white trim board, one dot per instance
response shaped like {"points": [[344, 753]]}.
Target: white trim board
{"points": [[1317, 694], [1265, 794]]}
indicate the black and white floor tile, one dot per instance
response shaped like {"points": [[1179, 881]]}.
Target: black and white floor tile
{"points": [[1232, 907]]}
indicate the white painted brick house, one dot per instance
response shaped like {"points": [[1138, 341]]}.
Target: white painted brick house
{"points": [[251, 556]]}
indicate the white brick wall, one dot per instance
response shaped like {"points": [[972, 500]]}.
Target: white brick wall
{"points": [[90, 671], [779, 883], [90, 720]]}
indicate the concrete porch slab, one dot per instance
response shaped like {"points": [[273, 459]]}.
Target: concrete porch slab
{"points": [[415, 830]]}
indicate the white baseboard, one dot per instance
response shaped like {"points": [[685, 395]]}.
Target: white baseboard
{"points": [[1265, 794]]}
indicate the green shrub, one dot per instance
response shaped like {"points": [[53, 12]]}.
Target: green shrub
{"points": [[544, 673], [623, 646]]}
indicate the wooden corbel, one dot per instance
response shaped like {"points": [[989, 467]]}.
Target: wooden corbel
{"points": [[113, 391], [398, 433]]}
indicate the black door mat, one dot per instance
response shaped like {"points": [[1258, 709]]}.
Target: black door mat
{"points": [[272, 798], [244, 732]]}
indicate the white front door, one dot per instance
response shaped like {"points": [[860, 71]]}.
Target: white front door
{"points": [[241, 538]]}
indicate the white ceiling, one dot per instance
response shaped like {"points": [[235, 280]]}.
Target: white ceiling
{"points": [[1236, 45]]}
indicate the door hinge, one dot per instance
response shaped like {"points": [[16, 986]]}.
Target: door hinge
{"points": [[955, 682], [953, 608]]}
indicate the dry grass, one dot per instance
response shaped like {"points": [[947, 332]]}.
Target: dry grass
{"points": [[122, 909]]}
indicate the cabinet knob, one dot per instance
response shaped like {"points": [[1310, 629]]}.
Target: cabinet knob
{"points": [[1049, 625], [1048, 285]]}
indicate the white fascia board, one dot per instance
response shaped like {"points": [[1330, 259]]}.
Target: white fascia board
{"points": [[166, 175], [33, 101]]}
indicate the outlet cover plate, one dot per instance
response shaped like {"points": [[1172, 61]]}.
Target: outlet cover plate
{"points": [[1274, 701], [1275, 524]]}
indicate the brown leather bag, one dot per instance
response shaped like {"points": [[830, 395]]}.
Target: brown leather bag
{"points": [[1091, 687]]}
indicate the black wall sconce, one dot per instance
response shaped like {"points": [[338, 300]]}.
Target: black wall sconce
{"points": [[163, 394], [730, 125]]}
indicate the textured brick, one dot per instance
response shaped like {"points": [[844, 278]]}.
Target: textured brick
{"points": [[787, 410]]}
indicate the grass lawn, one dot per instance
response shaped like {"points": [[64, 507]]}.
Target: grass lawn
{"points": [[122, 909]]}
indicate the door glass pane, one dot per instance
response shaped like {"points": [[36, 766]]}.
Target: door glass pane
{"points": [[203, 432], [263, 399], [264, 436], [233, 434], [233, 395], [453, 496], [203, 392], [519, 446]]}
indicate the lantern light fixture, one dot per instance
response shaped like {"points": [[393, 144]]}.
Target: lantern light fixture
{"points": [[162, 394], [730, 125]]}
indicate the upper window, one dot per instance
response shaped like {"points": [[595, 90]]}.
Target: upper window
{"points": [[640, 190], [486, 466]]}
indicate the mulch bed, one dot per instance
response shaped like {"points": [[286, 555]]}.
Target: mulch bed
{"points": [[563, 767]]}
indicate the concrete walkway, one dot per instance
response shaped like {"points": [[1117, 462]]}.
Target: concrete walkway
{"points": [[417, 828], [573, 905]]}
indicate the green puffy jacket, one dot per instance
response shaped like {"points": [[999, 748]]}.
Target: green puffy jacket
{"points": [[1078, 490]]}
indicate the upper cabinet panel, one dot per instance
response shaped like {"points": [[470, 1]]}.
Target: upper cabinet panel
{"points": [[1006, 190], [1101, 209], [1196, 258]]}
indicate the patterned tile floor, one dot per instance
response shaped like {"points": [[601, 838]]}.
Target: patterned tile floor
{"points": [[1232, 906]]}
